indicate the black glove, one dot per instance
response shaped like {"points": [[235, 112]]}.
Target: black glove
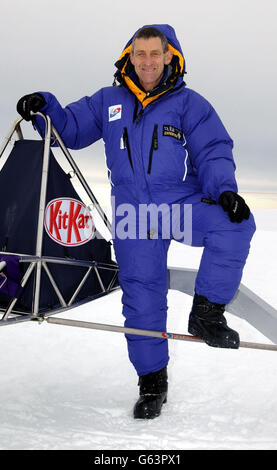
{"points": [[28, 103], [235, 205]]}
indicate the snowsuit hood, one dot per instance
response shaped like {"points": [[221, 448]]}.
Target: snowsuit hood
{"points": [[176, 69]]}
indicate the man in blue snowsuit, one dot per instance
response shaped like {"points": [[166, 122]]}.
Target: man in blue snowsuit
{"points": [[164, 144]]}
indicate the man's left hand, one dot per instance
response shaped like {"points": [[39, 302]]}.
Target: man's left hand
{"points": [[235, 205]]}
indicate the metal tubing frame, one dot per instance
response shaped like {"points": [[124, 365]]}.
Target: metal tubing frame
{"points": [[34, 261], [15, 128], [80, 286], [53, 132], [151, 333], [54, 285], [42, 203], [38, 261], [22, 285]]}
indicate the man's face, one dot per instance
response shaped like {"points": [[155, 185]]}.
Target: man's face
{"points": [[149, 59]]}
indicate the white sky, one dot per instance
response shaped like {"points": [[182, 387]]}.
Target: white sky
{"points": [[69, 48]]}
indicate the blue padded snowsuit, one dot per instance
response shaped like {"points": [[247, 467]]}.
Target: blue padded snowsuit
{"points": [[163, 147]]}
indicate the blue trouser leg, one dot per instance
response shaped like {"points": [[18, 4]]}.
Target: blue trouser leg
{"points": [[144, 282], [226, 247]]}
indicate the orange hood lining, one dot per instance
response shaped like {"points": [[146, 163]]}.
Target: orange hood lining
{"points": [[141, 95]]}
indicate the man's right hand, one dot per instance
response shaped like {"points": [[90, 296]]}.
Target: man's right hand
{"points": [[33, 102]]}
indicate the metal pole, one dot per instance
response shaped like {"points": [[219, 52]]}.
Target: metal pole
{"points": [[54, 285], [42, 202], [99, 279], [7, 139], [22, 284], [80, 286], [139, 332], [82, 179]]}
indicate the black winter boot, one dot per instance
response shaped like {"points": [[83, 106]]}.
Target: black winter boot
{"points": [[153, 393], [207, 321]]}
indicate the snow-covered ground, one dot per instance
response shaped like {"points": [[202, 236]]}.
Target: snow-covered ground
{"points": [[70, 388]]}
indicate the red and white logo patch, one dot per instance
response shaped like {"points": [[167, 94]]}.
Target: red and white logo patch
{"points": [[115, 112], [68, 222]]}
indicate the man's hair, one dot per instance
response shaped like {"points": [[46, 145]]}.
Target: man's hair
{"points": [[150, 32]]}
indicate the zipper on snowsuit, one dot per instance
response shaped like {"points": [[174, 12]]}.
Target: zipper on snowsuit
{"points": [[126, 145], [154, 146]]}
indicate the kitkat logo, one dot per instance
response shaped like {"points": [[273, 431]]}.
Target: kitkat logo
{"points": [[68, 222]]}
